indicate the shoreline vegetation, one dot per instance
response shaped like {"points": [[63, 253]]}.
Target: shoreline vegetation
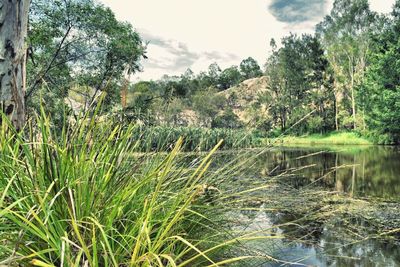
{"points": [[77, 189], [73, 198], [163, 138], [333, 138]]}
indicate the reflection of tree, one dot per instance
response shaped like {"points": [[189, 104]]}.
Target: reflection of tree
{"points": [[372, 171], [353, 177], [312, 223], [339, 184]]}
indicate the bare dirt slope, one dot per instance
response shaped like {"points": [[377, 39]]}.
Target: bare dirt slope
{"points": [[243, 97]]}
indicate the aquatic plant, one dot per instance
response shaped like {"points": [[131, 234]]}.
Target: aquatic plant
{"points": [[162, 138], [80, 197]]}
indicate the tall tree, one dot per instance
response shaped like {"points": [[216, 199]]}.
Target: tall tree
{"points": [[345, 35], [229, 77], [382, 83], [214, 71], [298, 83], [13, 31]]}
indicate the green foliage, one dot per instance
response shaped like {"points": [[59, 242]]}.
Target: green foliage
{"points": [[78, 42], [214, 71], [333, 138], [299, 84], [344, 77], [249, 68], [345, 36], [382, 84], [208, 104], [315, 124], [83, 198], [227, 120], [163, 138], [172, 111], [229, 77], [140, 95]]}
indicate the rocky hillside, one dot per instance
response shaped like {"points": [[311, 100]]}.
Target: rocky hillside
{"points": [[243, 98]]}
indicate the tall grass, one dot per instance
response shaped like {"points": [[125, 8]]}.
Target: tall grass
{"points": [[78, 196], [334, 138], [161, 138]]}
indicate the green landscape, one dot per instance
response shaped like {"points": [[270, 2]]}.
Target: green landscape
{"points": [[120, 146]]}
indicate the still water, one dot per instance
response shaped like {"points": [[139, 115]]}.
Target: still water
{"points": [[361, 173]]}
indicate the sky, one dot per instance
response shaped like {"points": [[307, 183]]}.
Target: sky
{"points": [[184, 34]]}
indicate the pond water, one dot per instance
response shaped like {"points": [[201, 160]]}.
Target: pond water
{"points": [[365, 173], [361, 171]]}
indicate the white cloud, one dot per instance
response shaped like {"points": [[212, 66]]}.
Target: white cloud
{"points": [[382, 6], [230, 30]]}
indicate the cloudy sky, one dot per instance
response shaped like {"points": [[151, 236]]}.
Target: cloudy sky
{"points": [[193, 34]]}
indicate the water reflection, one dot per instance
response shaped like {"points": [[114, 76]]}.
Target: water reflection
{"points": [[335, 246], [370, 172], [359, 171]]}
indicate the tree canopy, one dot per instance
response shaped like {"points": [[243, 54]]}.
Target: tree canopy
{"points": [[79, 42]]}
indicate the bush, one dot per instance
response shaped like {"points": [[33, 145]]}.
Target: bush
{"points": [[227, 120], [380, 138]]}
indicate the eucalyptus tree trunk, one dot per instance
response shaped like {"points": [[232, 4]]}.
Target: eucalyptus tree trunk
{"points": [[353, 103], [353, 100], [336, 107], [13, 31]]}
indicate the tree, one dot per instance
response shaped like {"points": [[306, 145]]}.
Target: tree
{"points": [[249, 68], [214, 71], [298, 82], [229, 77], [345, 35], [228, 119], [189, 82], [13, 32], [382, 83], [140, 96], [207, 104], [79, 42]]}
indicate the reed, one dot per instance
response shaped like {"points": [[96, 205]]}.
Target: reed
{"points": [[78, 196], [161, 138]]}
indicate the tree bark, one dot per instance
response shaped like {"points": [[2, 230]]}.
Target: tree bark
{"points": [[336, 107], [337, 91], [13, 32], [353, 104], [353, 100]]}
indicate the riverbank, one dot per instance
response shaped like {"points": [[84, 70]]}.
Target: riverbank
{"points": [[334, 138]]}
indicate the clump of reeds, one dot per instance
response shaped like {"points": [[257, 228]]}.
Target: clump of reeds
{"points": [[78, 196], [161, 138]]}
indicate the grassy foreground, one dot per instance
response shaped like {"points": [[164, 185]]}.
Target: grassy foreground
{"points": [[335, 138], [78, 198]]}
